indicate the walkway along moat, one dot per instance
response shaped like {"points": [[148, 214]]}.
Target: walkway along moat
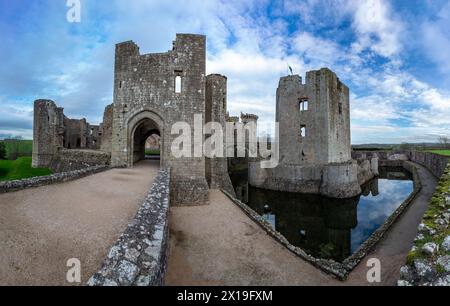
{"points": [[324, 227], [229, 248], [325, 231]]}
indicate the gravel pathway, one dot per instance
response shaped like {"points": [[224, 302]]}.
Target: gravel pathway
{"points": [[219, 245], [41, 228]]}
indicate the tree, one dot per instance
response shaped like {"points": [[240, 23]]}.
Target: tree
{"points": [[405, 146], [2, 150], [445, 142]]}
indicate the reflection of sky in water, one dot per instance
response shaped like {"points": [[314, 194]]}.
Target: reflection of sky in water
{"points": [[373, 211], [329, 228]]}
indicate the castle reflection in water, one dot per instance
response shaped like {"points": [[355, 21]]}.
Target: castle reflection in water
{"points": [[325, 227]]}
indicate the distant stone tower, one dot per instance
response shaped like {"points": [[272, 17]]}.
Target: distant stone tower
{"points": [[314, 138], [246, 119], [216, 106], [48, 132]]}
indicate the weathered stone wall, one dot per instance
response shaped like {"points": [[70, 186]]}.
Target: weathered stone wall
{"points": [[215, 111], [11, 186], [333, 180], [94, 137], [106, 129], [435, 163], [70, 160], [53, 133], [139, 257], [48, 132], [314, 138], [236, 163], [326, 119], [368, 169], [144, 90], [75, 133]]}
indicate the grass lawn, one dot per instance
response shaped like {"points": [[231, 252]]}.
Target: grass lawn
{"points": [[152, 152], [19, 169], [441, 152]]}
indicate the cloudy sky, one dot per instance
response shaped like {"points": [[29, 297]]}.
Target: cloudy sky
{"points": [[394, 56]]}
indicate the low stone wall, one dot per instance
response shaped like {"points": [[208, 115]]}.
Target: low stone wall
{"points": [[434, 162], [382, 155], [139, 257], [70, 160], [428, 262], [10, 186], [340, 270]]}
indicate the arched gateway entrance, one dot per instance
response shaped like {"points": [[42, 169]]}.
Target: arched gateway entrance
{"points": [[141, 127]]}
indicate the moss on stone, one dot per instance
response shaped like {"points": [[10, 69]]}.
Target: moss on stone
{"points": [[436, 208]]}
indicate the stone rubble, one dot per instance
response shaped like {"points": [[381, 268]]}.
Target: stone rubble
{"points": [[428, 262]]}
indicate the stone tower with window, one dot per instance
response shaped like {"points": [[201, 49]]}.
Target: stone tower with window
{"points": [[151, 93], [314, 119], [314, 138]]}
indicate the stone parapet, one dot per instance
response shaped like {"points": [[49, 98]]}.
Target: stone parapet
{"points": [[139, 257], [10, 186]]}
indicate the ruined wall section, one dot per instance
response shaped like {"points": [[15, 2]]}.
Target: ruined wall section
{"points": [[336, 97], [77, 159], [293, 150], [247, 120], [314, 138], [64, 144], [75, 133], [325, 120], [48, 131], [106, 129], [93, 140], [216, 106], [144, 86]]}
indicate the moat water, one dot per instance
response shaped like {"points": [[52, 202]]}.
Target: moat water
{"points": [[324, 227]]}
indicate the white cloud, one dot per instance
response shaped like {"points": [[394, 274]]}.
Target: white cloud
{"points": [[436, 39], [321, 51], [378, 30], [253, 51]]}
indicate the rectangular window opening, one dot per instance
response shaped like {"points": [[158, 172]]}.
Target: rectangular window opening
{"points": [[303, 131], [303, 104], [178, 84]]}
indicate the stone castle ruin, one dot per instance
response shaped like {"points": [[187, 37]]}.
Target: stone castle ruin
{"points": [[314, 139], [154, 91], [65, 144], [151, 93]]}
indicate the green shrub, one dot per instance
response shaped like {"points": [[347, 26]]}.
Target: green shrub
{"points": [[2, 150], [16, 148]]}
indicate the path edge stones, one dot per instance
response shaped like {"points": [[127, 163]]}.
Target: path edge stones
{"points": [[139, 257]]}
